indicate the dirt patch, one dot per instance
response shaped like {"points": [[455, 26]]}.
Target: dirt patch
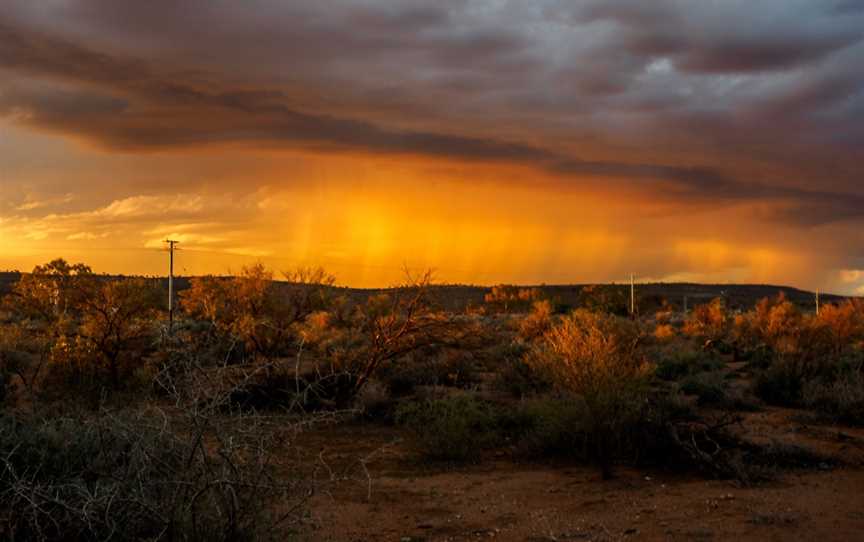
{"points": [[403, 500]]}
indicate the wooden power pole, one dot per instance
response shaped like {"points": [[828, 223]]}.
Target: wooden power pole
{"points": [[817, 302], [171, 244], [632, 296]]}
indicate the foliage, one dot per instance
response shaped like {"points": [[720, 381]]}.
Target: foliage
{"points": [[385, 329], [549, 426], [52, 291], [709, 320], [453, 429], [841, 400], [680, 362], [129, 477], [537, 322], [606, 298], [507, 298], [254, 309], [597, 357]]}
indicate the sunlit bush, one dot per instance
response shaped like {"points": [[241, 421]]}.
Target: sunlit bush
{"points": [[597, 357], [507, 298], [708, 320], [537, 322], [256, 310]]}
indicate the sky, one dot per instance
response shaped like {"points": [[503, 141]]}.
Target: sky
{"points": [[494, 141]]}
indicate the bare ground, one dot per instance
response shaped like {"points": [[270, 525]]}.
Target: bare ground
{"points": [[388, 495]]}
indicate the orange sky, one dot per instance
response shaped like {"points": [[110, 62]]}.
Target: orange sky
{"points": [[449, 138]]}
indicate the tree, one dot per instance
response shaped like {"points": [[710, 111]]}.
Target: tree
{"points": [[117, 316], [51, 291], [506, 297], [381, 331], [256, 310], [708, 320]]}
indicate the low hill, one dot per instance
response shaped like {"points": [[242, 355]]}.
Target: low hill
{"points": [[457, 297]]}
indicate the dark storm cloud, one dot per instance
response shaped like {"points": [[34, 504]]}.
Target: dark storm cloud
{"points": [[764, 79], [729, 37]]}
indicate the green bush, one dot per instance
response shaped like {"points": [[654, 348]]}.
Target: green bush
{"points": [[126, 477], [708, 387], [519, 379], [841, 400], [548, 427], [455, 428], [782, 383], [449, 368], [680, 363]]}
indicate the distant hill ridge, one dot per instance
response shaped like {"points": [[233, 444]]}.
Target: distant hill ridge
{"points": [[457, 296]]}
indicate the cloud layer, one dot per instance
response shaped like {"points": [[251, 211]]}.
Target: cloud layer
{"points": [[753, 108]]}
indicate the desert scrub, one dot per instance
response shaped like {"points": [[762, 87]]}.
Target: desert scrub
{"points": [[130, 476], [520, 379], [548, 426], [675, 364], [841, 400], [451, 429], [782, 383], [709, 388], [598, 358]]}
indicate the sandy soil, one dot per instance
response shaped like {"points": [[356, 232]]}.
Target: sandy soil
{"points": [[389, 495]]}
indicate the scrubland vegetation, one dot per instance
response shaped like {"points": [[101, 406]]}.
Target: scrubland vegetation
{"points": [[115, 427]]}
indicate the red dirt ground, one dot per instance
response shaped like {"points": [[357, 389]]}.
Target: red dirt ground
{"points": [[403, 499]]}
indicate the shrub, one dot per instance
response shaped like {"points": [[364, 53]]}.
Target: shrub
{"points": [[537, 322], [597, 357], [520, 379], [450, 368], [708, 320], [455, 429], [256, 310], [664, 332], [680, 363], [710, 388], [124, 477], [841, 400], [552, 426], [506, 298], [782, 382]]}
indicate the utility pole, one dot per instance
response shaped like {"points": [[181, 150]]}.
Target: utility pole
{"points": [[171, 245], [817, 302], [632, 296]]}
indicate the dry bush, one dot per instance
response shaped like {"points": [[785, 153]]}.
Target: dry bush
{"points": [[381, 332], [253, 309], [179, 474], [840, 326], [507, 298], [51, 291], [664, 332], [605, 298], [841, 400], [86, 334], [776, 322], [597, 357], [537, 322], [709, 321]]}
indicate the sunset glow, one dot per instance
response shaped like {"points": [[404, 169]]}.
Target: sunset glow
{"points": [[490, 141]]}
